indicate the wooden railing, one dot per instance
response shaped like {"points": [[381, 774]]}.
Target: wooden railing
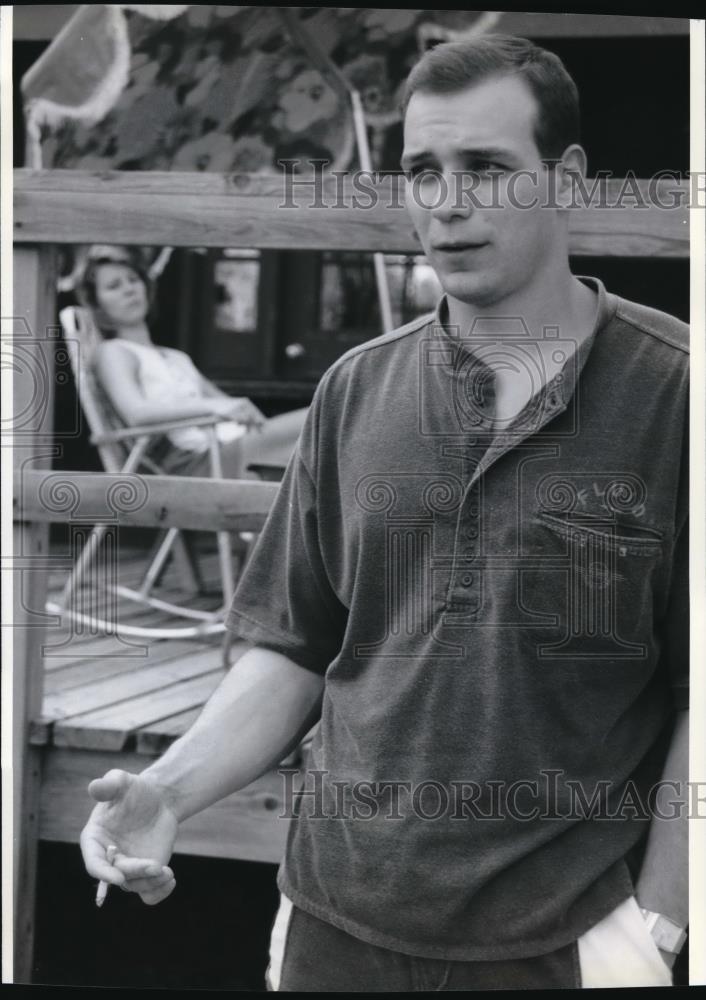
{"points": [[635, 218], [132, 500]]}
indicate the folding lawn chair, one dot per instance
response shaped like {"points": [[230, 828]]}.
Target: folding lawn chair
{"points": [[123, 449]]}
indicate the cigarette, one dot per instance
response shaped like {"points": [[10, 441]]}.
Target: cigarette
{"points": [[102, 891]]}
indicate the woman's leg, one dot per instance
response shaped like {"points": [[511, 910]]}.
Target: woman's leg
{"points": [[273, 445]]}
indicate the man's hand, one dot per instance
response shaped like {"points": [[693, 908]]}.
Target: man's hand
{"points": [[133, 814]]}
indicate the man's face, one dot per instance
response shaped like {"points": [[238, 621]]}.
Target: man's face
{"points": [[480, 254]]}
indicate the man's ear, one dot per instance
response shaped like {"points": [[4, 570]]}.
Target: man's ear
{"points": [[573, 164]]}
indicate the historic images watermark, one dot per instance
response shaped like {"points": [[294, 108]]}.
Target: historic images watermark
{"points": [[550, 796], [308, 184]]}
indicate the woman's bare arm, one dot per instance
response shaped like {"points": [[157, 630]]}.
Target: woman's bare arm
{"points": [[117, 372]]}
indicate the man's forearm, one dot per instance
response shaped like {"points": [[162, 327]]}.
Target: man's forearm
{"points": [[663, 885], [260, 711]]}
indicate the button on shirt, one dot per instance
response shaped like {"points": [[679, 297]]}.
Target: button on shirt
{"points": [[500, 612]]}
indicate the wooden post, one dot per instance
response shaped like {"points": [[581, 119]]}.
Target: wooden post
{"points": [[32, 350]]}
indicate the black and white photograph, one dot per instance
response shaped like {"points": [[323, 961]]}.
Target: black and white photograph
{"points": [[354, 548]]}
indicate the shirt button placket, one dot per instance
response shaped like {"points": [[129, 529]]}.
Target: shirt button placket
{"points": [[466, 584]]}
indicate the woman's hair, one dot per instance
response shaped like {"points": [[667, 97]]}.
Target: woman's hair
{"points": [[86, 289], [453, 66]]}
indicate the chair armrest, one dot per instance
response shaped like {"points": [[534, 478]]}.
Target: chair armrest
{"points": [[161, 427], [267, 472]]}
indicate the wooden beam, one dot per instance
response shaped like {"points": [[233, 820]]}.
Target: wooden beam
{"points": [[32, 352], [142, 501], [645, 218], [246, 826], [44, 21], [547, 25]]}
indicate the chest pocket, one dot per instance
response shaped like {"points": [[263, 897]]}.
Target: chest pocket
{"points": [[603, 534], [598, 579]]}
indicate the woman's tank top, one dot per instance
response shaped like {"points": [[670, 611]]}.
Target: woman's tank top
{"points": [[168, 374]]}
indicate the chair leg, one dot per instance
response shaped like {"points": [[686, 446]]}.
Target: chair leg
{"points": [[189, 570], [155, 567], [225, 556], [225, 559], [82, 563], [153, 552]]}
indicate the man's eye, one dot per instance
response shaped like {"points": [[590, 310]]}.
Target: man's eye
{"points": [[424, 173], [486, 166]]}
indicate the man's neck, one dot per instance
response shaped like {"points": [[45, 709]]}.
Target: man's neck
{"points": [[562, 301], [524, 364]]}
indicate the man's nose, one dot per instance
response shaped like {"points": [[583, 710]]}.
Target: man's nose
{"points": [[448, 196]]}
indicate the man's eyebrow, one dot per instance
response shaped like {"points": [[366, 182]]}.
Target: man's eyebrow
{"points": [[489, 152], [471, 152]]}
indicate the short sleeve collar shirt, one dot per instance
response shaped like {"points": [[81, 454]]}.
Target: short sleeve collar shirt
{"points": [[499, 610]]}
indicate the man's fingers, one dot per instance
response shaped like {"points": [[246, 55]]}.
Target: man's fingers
{"points": [[96, 862], [149, 885], [138, 867], [111, 786], [104, 872], [151, 898], [101, 870]]}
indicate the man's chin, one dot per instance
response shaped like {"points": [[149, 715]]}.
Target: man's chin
{"points": [[472, 289]]}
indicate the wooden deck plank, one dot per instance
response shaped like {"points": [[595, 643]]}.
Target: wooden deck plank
{"points": [[111, 693], [245, 825], [78, 649], [73, 675], [110, 728], [157, 736]]}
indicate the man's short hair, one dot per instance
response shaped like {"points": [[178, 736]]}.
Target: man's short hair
{"points": [[454, 66]]}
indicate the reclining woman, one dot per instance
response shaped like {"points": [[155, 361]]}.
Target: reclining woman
{"points": [[148, 384]]}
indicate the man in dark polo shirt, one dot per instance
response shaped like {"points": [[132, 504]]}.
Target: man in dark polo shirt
{"points": [[474, 576]]}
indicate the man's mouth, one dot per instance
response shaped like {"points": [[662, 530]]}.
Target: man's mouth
{"points": [[458, 247]]}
